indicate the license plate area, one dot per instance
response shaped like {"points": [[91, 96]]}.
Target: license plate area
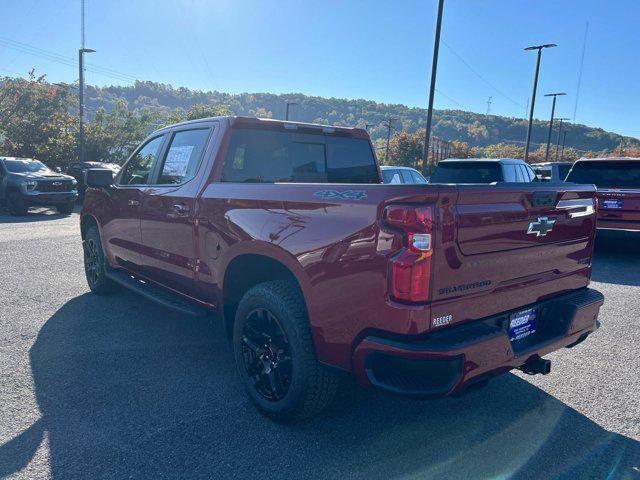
{"points": [[612, 203], [523, 324]]}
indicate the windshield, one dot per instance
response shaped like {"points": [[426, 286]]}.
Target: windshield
{"points": [[25, 166], [467, 172], [618, 174]]}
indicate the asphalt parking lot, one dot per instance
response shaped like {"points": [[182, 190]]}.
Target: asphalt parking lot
{"points": [[117, 387]]}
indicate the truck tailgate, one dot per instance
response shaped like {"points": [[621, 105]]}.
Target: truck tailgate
{"points": [[519, 243]]}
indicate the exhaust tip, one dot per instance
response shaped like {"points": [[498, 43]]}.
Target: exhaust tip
{"points": [[536, 366]]}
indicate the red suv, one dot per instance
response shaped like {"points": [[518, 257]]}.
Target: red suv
{"points": [[618, 183]]}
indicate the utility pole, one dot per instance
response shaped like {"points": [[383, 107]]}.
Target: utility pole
{"points": [[559, 132], [81, 51], [564, 139], [620, 151], [432, 88], [533, 96], [389, 124], [286, 113], [489, 105], [553, 111]]}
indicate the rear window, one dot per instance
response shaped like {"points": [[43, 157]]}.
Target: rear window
{"points": [[543, 173], [619, 174], [467, 172], [266, 156], [563, 170]]}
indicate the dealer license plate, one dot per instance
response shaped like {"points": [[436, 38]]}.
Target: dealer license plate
{"points": [[522, 324], [612, 203]]}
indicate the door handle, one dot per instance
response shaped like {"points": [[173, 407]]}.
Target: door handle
{"points": [[179, 210], [133, 203]]}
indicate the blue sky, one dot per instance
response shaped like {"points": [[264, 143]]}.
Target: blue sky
{"points": [[377, 50]]}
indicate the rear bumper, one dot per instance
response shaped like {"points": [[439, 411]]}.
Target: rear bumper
{"points": [[448, 360]]}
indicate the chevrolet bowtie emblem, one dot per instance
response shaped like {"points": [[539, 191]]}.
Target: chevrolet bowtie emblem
{"points": [[541, 227]]}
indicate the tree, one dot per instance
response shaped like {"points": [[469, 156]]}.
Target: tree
{"points": [[35, 121], [460, 149], [406, 149]]}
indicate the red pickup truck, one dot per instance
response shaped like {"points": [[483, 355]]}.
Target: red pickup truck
{"points": [[618, 183], [318, 269]]}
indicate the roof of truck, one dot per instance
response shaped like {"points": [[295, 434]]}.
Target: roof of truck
{"points": [[495, 160], [609, 159], [287, 124]]}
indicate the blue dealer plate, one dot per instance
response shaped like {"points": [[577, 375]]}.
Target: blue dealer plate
{"points": [[522, 324], [612, 203]]}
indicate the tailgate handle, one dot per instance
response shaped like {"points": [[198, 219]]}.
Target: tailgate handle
{"points": [[577, 208], [543, 199]]}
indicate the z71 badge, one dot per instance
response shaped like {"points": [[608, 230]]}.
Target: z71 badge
{"points": [[343, 195]]}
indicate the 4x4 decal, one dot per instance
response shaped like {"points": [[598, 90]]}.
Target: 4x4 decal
{"points": [[343, 195]]}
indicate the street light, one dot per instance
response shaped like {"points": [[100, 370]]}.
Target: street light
{"points": [[562, 119], [533, 96], [286, 114], [81, 53], [553, 111]]}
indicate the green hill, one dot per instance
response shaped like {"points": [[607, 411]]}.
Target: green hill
{"points": [[474, 128]]}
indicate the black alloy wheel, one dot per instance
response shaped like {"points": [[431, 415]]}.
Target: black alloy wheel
{"points": [[92, 260], [267, 354]]}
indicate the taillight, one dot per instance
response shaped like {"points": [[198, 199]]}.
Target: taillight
{"points": [[411, 268]]}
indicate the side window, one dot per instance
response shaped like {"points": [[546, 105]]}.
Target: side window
{"points": [[530, 173], [417, 178], [519, 172], [406, 176], [396, 177], [509, 173], [183, 156], [138, 168]]}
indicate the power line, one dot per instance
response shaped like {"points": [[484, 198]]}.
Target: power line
{"points": [[584, 47], [452, 100], [63, 60], [466, 64]]}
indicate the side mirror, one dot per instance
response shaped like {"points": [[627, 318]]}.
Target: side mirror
{"points": [[99, 178]]}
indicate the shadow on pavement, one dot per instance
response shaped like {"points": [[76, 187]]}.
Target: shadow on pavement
{"points": [[617, 259], [128, 390], [34, 215]]}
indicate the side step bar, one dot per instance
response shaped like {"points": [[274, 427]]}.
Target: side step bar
{"points": [[155, 294]]}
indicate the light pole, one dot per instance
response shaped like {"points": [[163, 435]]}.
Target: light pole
{"points": [[533, 96], [553, 111], [81, 53], [286, 113], [559, 132], [432, 88]]}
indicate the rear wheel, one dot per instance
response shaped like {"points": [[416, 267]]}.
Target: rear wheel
{"points": [[95, 263], [16, 204], [275, 354]]}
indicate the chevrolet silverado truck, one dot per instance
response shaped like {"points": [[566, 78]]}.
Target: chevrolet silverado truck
{"points": [[618, 184], [319, 270], [25, 183]]}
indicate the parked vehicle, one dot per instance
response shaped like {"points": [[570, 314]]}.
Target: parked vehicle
{"points": [[78, 171], [319, 269], [551, 171], [395, 174], [25, 182], [482, 170], [618, 183]]}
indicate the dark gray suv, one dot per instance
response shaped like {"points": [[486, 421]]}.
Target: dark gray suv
{"points": [[25, 182]]}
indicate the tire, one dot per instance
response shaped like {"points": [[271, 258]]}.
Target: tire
{"points": [[16, 204], [307, 387], [66, 208], [95, 264]]}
